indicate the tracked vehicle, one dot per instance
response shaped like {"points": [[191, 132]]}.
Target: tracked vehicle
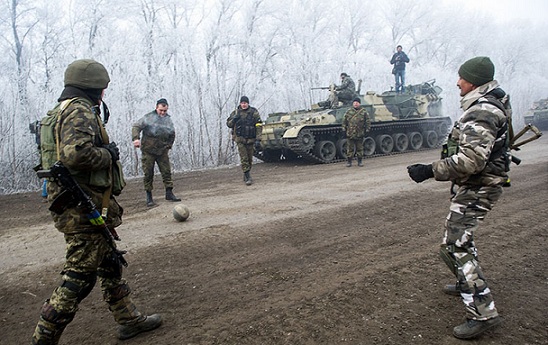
{"points": [[400, 122], [538, 114]]}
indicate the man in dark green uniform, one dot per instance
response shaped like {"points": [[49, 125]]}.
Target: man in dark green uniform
{"points": [[356, 123], [158, 135], [246, 125], [84, 148]]}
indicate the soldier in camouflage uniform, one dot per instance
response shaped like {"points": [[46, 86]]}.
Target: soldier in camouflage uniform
{"points": [[157, 139], [84, 148], [356, 123], [347, 90], [246, 125], [477, 163]]}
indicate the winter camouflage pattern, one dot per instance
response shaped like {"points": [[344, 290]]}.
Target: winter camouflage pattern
{"points": [[475, 133], [80, 140], [158, 133], [468, 207]]}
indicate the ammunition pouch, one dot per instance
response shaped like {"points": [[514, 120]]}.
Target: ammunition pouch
{"points": [[449, 148], [118, 181]]}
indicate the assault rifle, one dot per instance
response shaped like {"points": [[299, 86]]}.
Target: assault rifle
{"points": [[321, 88], [515, 145], [73, 196]]}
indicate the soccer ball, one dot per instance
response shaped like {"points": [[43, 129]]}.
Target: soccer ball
{"points": [[181, 212]]}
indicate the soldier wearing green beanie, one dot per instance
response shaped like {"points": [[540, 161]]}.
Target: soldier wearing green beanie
{"points": [[477, 163]]}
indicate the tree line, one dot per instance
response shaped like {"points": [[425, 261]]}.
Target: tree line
{"points": [[204, 55]]}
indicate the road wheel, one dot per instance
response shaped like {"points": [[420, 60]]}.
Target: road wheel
{"points": [[415, 140], [325, 150], [369, 146], [431, 139], [385, 144], [401, 142], [341, 148]]}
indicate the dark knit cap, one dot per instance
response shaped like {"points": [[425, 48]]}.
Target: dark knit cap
{"points": [[162, 101], [478, 70], [357, 99], [244, 99], [343, 74]]}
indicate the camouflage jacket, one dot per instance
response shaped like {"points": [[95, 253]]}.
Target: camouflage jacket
{"points": [[356, 122], [246, 125], [476, 133], [81, 135], [158, 133]]}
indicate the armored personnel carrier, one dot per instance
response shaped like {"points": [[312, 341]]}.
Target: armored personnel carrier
{"points": [[538, 114], [400, 122]]}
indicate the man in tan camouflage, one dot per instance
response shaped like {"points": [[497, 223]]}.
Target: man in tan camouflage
{"points": [[84, 148], [356, 123], [158, 135], [477, 162], [246, 125]]}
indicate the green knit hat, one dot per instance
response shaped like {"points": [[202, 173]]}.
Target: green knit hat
{"points": [[478, 70]]}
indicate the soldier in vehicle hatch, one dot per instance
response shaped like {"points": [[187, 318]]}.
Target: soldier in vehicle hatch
{"points": [[246, 125], [158, 135]]}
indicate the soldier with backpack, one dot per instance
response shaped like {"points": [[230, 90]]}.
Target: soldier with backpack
{"points": [[74, 133], [477, 162]]}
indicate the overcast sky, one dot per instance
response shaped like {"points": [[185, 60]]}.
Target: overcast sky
{"points": [[509, 10]]}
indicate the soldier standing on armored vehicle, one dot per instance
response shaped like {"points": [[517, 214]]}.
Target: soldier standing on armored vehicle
{"points": [[246, 125], [356, 123], [399, 59], [157, 139], [477, 163], [83, 147]]}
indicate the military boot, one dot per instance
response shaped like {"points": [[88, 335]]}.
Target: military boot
{"points": [[150, 202], [360, 163], [131, 321], [348, 162], [142, 324], [170, 196], [247, 178], [473, 328]]}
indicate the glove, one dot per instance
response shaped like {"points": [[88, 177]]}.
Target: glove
{"points": [[258, 145], [113, 150], [420, 172], [236, 118]]}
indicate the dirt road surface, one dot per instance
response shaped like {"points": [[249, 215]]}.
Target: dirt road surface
{"points": [[309, 254]]}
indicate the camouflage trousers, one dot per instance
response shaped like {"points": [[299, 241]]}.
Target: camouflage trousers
{"points": [[468, 207], [356, 143], [88, 257], [148, 160], [246, 155]]}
